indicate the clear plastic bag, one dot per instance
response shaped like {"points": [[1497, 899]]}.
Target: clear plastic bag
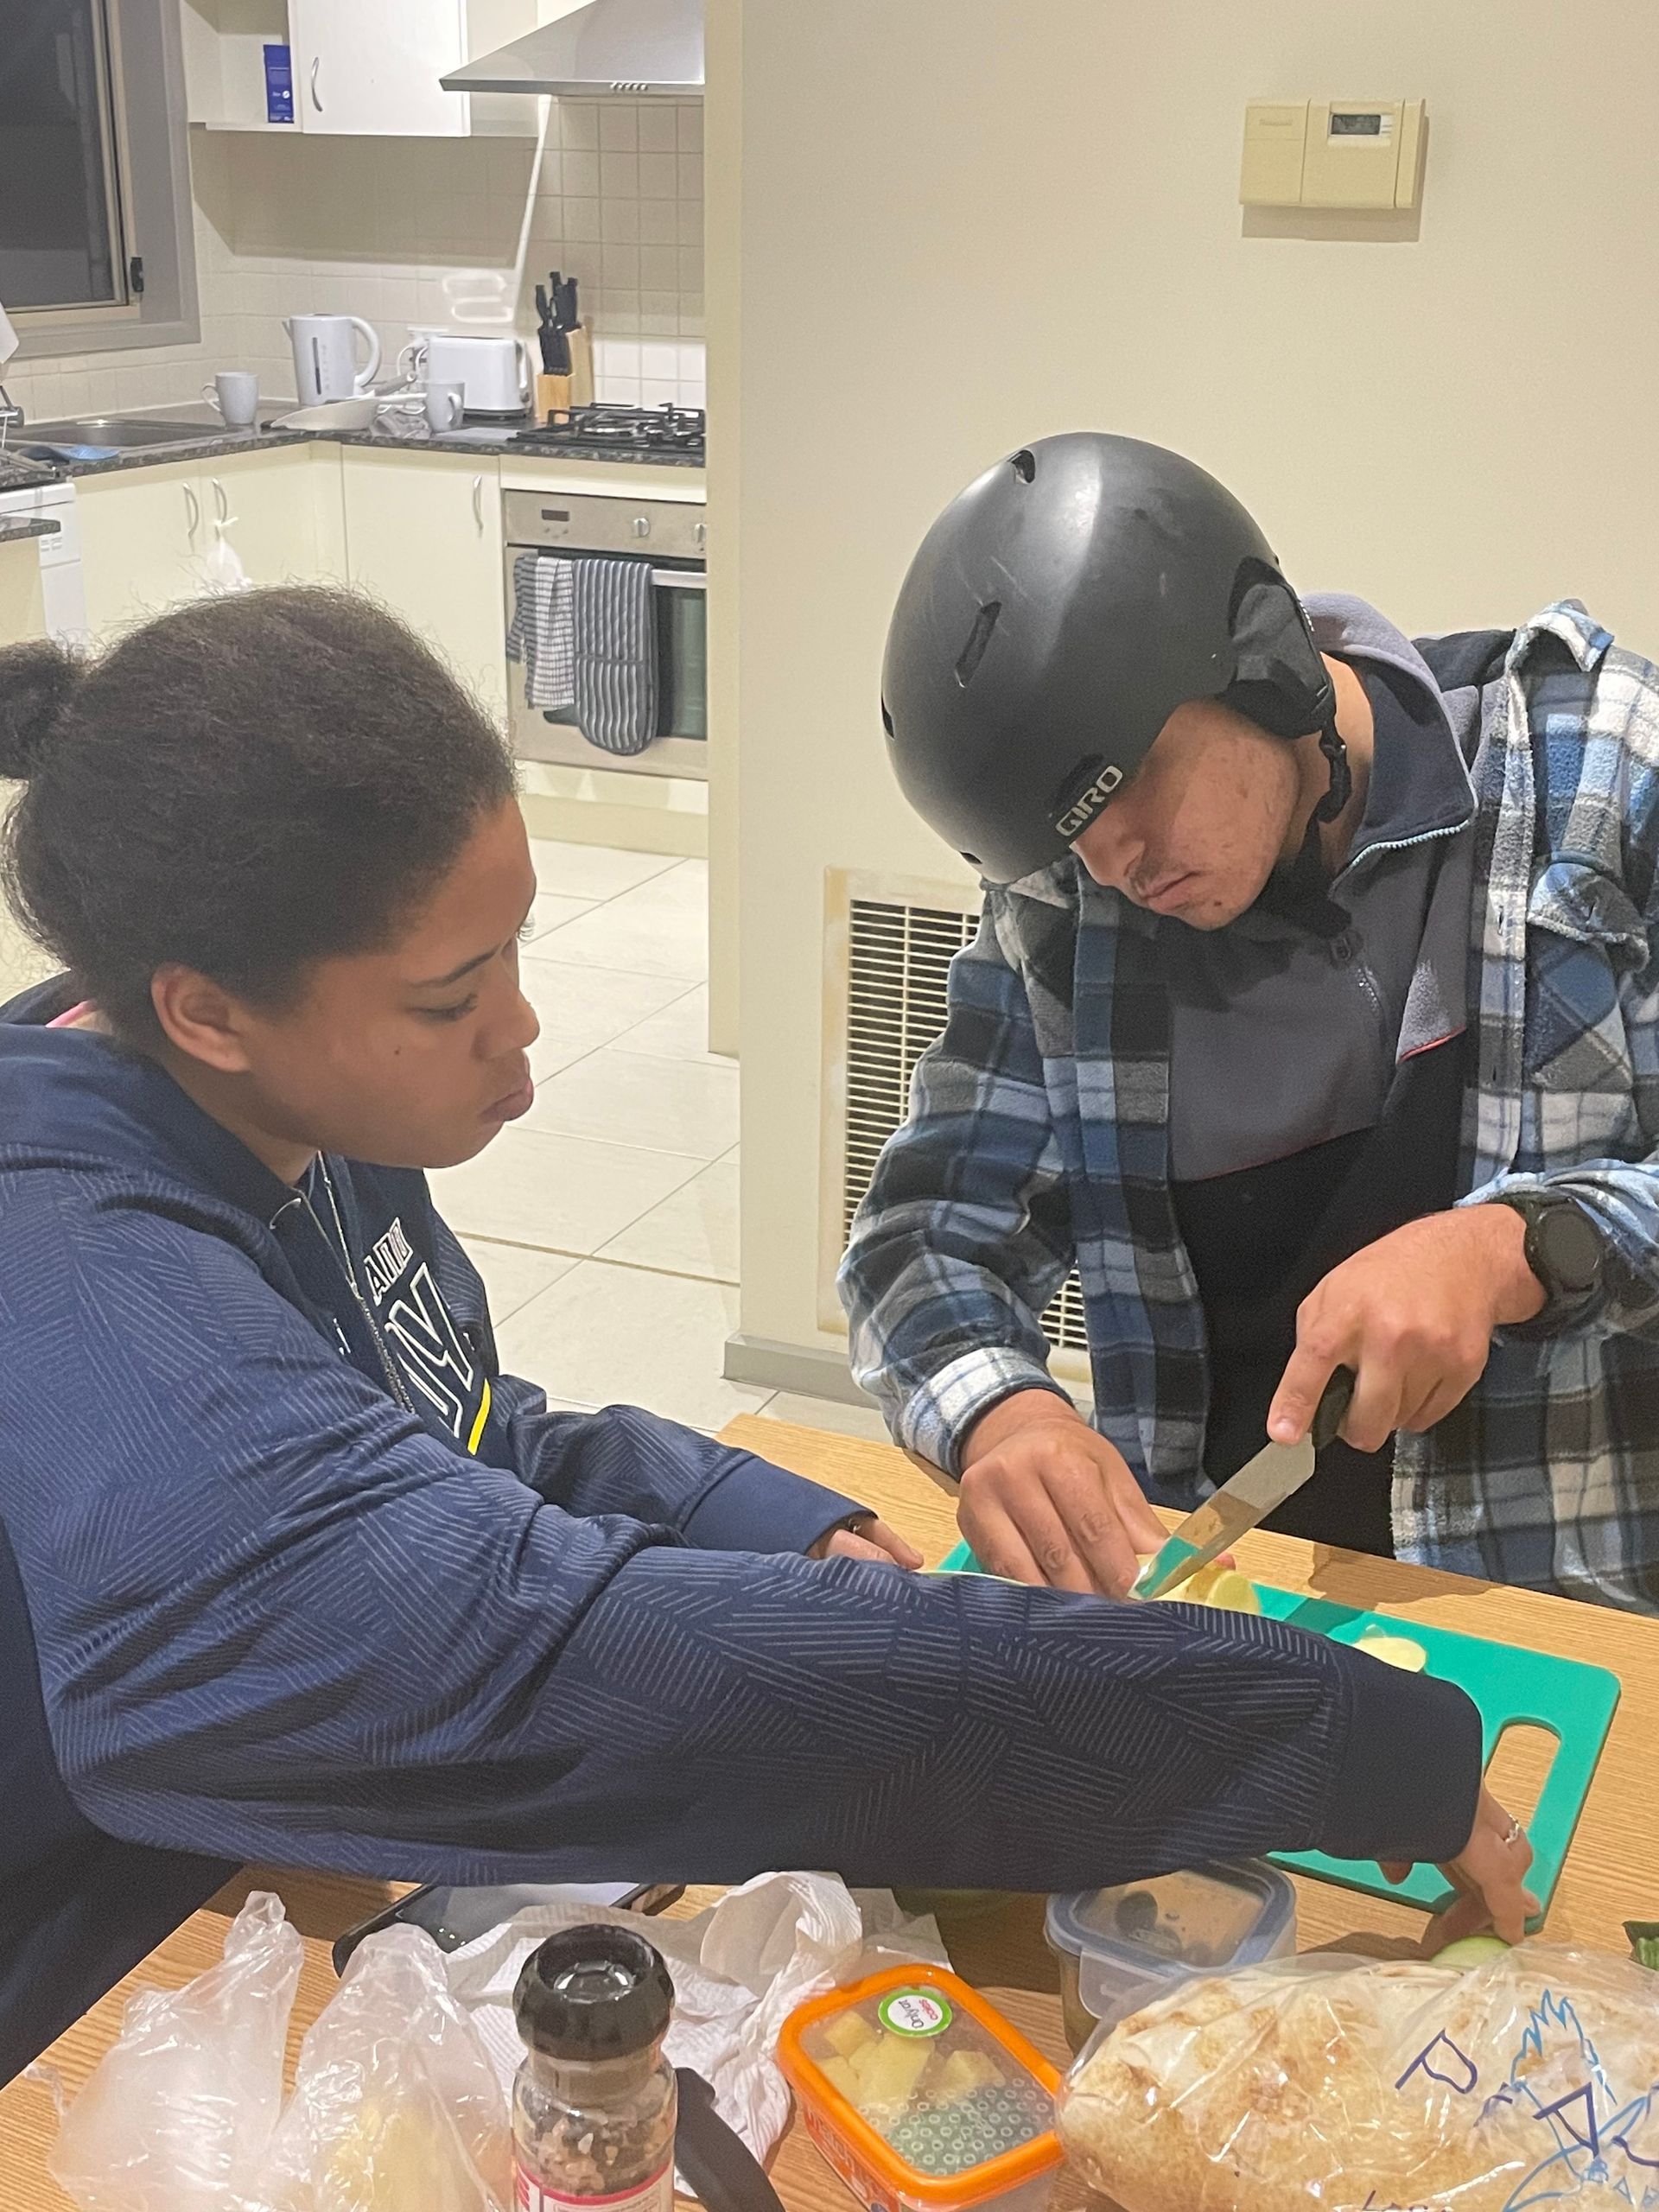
{"points": [[1353, 2086], [179, 2115], [396, 2104]]}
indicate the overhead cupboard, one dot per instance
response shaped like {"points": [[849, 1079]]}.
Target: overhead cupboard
{"points": [[353, 68]]}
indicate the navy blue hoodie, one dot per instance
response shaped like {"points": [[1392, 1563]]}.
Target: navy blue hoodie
{"points": [[289, 1571]]}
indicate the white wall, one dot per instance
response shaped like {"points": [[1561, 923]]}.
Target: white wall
{"points": [[452, 231], [966, 223]]}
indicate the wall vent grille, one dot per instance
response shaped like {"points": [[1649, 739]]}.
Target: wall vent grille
{"points": [[897, 963]]}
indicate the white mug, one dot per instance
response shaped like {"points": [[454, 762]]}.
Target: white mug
{"points": [[445, 405], [235, 392]]}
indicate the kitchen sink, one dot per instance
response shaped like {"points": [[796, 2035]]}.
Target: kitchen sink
{"points": [[90, 437]]}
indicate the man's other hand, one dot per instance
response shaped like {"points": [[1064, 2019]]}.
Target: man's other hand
{"points": [[1045, 1500]]}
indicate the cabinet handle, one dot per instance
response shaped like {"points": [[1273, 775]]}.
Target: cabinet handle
{"points": [[193, 512], [221, 502], [316, 97], [478, 503]]}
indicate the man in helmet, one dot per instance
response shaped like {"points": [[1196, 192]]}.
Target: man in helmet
{"points": [[1311, 1016]]}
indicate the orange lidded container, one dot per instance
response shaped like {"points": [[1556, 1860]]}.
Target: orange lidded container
{"points": [[920, 2094]]}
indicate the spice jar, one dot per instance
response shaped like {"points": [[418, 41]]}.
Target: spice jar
{"points": [[593, 2107]]}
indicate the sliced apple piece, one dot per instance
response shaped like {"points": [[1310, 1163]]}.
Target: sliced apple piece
{"points": [[1233, 1593], [1214, 1584], [840, 2075], [1472, 1951], [848, 2033], [892, 2074], [1393, 1650]]}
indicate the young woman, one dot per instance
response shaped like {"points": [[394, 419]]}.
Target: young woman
{"points": [[289, 1570]]}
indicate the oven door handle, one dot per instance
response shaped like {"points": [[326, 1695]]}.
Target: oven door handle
{"points": [[680, 579]]}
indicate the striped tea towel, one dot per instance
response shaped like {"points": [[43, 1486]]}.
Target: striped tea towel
{"points": [[541, 633], [615, 620]]}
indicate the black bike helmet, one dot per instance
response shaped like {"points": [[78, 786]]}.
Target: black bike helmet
{"points": [[1056, 615]]}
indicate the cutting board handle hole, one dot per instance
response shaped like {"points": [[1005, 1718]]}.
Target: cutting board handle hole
{"points": [[1519, 1767]]}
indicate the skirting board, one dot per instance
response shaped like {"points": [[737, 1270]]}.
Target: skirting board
{"points": [[814, 1371], [628, 829], [806, 1370]]}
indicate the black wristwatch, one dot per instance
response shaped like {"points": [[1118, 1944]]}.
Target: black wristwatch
{"points": [[1563, 1248]]}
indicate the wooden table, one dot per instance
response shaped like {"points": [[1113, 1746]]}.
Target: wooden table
{"points": [[1610, 1876]]}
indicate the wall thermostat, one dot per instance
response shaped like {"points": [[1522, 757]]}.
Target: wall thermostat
{"points": [[1332, 154]]}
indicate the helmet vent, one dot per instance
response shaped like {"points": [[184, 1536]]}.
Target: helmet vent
{"points": [[978, 637], [1024, 465]]}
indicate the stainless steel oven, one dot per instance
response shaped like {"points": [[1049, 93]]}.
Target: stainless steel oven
{"points": [[671, 536]]}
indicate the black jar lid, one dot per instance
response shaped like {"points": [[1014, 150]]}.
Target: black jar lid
{"points": [[594, 1991]]}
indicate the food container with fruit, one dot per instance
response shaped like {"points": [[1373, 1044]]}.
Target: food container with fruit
{"points": [[920, 2094], [1118, 1949]]}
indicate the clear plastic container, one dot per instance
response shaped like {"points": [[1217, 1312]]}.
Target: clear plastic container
{"points": [[922, 2097], [1119, 1949]]}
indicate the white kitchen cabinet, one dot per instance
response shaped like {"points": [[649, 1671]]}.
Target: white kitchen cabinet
{"points": [[280, 512], [146, 533], [142, 542], [23, 602], [361, 68], [370, 67], [423, 533]]}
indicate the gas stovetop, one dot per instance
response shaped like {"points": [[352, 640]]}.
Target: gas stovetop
{"points": [[635, 432]]}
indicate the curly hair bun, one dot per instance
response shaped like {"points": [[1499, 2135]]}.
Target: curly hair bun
{"points": [[35, 682]]}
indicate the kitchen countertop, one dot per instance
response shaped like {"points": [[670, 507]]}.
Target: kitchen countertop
{"points": [[494, 439], [1605, 1881], [13, 527]]}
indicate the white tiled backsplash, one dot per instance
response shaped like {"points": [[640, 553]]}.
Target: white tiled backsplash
{"points": [[455, 232]]}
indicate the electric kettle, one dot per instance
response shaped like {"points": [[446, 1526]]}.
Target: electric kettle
{"points": [[324, 363]]}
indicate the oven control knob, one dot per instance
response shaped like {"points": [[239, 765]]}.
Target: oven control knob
{"points": [[642, 525], [700, 536]]}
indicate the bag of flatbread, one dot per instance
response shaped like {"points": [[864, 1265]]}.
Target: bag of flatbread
{"points": [[1347, 2085]]}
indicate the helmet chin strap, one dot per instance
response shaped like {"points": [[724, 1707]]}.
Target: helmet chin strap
{"points": [[1342, 776]]}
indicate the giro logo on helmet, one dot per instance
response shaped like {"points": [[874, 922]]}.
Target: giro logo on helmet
{"points": [[1082, 811]]}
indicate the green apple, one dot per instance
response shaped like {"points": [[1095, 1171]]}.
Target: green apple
{"points": [[1472, 1951]]}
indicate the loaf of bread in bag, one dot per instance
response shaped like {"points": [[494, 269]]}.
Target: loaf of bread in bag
{"points": [[1326, 2084]]}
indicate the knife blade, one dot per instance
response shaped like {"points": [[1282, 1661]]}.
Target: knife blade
{"points": [[1244, 1500]]}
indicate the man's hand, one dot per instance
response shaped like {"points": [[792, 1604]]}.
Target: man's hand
{"points": [[1490, 1871], [1045, 1500], [868, 1538], [1412, 1315]]}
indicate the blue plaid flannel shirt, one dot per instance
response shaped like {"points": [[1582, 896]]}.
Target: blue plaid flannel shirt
{"points": [[1039, 1135]]}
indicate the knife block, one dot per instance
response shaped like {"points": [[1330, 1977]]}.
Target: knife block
{"points": [[581, 366], [552, 399]]}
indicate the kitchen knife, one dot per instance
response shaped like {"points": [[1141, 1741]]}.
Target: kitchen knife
{"points": [[1261, 1486]]}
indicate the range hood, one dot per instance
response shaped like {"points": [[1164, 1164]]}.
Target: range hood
{"points": [[636, 49]]}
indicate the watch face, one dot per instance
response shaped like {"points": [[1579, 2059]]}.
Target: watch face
{"points": [[1570, 1246]]}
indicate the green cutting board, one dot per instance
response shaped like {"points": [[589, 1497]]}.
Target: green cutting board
{"points": [[1513, 1688]]}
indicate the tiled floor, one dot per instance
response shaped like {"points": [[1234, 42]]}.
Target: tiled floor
{"points": [[605, 1222]]}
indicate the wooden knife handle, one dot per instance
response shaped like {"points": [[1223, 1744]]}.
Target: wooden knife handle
{"points": [[1332, 1405]]}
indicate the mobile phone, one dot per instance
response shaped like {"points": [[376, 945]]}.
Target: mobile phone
{"points": [[453, 1917]]}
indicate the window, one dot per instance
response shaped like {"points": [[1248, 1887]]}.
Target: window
{"points": [[96, 224], [60, 238]]}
